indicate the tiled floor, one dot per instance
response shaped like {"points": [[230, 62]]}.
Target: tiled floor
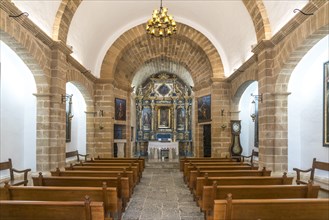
{"points": [[162, 194]]}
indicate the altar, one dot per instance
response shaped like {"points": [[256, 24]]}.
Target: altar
{"points": [[155, 147]]}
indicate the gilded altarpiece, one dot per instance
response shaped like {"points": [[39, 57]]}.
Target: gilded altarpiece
{"points": [[163, 111]]}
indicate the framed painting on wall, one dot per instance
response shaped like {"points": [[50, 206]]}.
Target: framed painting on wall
{"points": [[146, 118], [164, 117], [325, 104], [204, 108], [120, 109]]}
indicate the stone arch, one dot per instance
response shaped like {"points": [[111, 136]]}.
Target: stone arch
{"points": [[259, 17], [185, 34], [63, 19], [298, 44]]}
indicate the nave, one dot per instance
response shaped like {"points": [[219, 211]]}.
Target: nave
{"points": [[162, 194]]}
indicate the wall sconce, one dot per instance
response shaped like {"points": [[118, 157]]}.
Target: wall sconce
{"points": [[223, 126], [100, 115], [65, 97], [254, 106]]}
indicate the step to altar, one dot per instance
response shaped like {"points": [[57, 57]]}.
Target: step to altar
{"points": [[162, 163]]}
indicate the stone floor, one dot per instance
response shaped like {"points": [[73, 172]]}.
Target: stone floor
{"points": [[162, 194]]}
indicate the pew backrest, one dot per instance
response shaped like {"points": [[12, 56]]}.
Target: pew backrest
{"points": [[59, 210], [269, 209], [107, 195], [76, 154]]}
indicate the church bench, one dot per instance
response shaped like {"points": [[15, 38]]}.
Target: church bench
{"points": [[195, 166], [121, 183], [202, 159], [7, 165], [193, 174], [123, 173], [227, 173], [113, 164], [139, 159], [241, 180], [107, 195], [215, 192], [76, 154], [271, 209], [316, 165], [51, 210], [107, 168]]}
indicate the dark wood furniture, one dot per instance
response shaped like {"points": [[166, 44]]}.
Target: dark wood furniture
{"points": [[316, 165], [14, 182]]}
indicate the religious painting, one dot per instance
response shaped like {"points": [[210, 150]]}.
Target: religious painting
{"points": [[204, 108], [69, 117], [120, 109], [325, 104], [164, 117], [180, 119], [146, 118]]}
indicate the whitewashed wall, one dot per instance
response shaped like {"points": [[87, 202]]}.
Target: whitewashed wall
{"points": [[78, 129], [247, 125], [18, 111], [305, 109]]}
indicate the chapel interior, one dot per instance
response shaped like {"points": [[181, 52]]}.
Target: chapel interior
{"points": [[233, 77]]}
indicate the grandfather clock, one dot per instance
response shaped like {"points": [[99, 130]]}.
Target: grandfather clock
{"points": [[236, 148]]}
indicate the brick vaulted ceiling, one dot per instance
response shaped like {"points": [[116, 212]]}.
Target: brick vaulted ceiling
{"points": [[213, 39]]}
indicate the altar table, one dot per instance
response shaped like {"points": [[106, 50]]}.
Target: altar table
{"points": [[162, 146]]}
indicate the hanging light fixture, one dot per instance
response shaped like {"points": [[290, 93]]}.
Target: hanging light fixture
{"points": [[161, 24]]}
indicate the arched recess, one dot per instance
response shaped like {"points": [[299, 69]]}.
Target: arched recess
{"points": [[296, 46], [86, 88], [134, 36], [38, 69]]}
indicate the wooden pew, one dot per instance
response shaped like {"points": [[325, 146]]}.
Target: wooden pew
{"points": [[76, 154], [271, 209], [107, 195], [316, 165], [125, 173], [212, 193], [193, 174], [217, 167], [7, 165], [241, 180], [104, 159], [121, 183], [193, 165], [114, 164], [59, 210], [106, 168], [200, 159]]}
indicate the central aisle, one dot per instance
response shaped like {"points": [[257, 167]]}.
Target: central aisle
{"points": [[162, 194]]}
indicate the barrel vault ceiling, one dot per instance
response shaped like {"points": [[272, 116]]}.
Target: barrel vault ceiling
{"points": [[108, 37]]}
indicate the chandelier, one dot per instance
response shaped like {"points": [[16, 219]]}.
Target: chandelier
{"points": [[161, 24]]}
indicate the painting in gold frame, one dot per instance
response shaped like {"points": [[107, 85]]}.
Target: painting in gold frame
{"points": [[164, 117]]}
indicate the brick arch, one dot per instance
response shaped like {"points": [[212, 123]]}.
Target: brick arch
{"points": [[259, 17], [136, 37], [83, 84], [300, 42], [63, 19], [238, 93]]}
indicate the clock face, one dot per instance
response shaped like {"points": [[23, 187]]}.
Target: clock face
{"points": [[236, 150], [236, 127]]}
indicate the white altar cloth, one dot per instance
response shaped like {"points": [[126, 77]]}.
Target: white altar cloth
{"points": [[162, 145]]}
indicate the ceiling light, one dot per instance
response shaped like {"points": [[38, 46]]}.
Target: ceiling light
{"points": [[161, 24]]}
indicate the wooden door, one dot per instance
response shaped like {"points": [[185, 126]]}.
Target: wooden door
{"points": [[207, 140]]}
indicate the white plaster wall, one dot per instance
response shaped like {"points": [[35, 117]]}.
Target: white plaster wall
{"points": [[78, 129], [305, 109], [247, 125], [18, 111]]}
